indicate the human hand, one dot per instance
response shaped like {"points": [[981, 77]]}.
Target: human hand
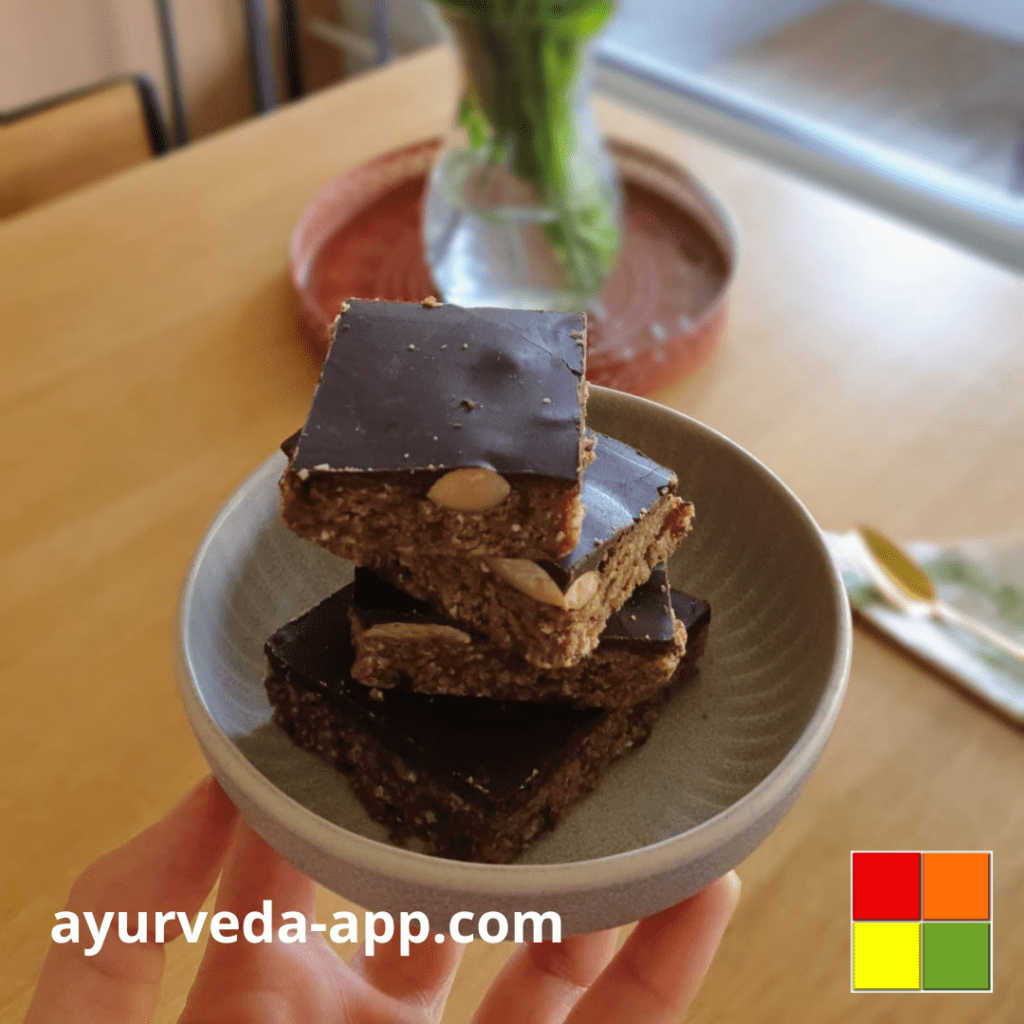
{"points": [[175, 863]]}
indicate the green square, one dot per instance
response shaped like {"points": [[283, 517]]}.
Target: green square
{"points": [[956, 956]]}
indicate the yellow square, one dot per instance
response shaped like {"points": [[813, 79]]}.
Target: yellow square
{"points": [[886, 955]]}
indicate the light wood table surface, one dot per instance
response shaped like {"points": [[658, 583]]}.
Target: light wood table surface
{"points": [[151, 361]]}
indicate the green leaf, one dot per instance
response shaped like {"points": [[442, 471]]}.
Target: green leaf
{"points": [[524, 58]]}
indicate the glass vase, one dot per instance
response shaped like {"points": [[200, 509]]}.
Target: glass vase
{"points": [[523, 206]]}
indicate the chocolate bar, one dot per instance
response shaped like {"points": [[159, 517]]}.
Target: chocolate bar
{"points": [[402, 642], [443, 429], [552, 613], [468, 778]]}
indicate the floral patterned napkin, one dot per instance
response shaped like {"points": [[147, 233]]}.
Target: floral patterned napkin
{"points": [[985, 579]]}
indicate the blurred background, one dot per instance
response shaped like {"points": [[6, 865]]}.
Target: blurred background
{"points": [[916, 107]]}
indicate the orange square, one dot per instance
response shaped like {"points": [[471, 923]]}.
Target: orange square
{"points": [[956, 886]]}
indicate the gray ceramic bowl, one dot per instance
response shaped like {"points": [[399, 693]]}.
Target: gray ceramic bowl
{"points": [[725, 762]]}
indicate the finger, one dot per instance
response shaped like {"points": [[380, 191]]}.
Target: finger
{"points": [[422, 976], [243, 977], [254, 875], [657, 972], [256, 982], [543, 981], [170, 867]]}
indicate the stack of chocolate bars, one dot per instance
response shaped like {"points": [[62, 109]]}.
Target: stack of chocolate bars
{"points": [[510, 630]]}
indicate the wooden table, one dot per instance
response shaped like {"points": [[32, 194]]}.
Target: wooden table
{"points": [[151, 360]]}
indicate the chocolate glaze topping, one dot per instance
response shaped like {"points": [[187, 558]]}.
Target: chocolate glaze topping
{"points": [[380, 601], [409, 387], [645, 616], [472, 744], [693, 612], [619, 486]]}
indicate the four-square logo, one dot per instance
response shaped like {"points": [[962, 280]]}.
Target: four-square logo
{"points": [[921, 922]]}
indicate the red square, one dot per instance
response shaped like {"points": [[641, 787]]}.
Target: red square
{"points": [[887, 886]]}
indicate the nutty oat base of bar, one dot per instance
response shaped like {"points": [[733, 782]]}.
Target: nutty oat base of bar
{"points": [[400, 642], [615, 675], [352, 515], [471, 591]]}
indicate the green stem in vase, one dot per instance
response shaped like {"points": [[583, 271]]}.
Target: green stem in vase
{"points": [[524, 59]]}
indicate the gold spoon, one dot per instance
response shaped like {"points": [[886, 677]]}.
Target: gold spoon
{"points": [[906, 585]]}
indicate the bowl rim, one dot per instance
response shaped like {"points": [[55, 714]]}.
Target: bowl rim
{"points": [[408, 866]]}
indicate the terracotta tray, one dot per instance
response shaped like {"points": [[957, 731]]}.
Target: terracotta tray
{"points": [[665, 301]]}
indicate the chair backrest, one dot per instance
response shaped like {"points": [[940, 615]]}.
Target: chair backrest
{"points": [[61, 144]]}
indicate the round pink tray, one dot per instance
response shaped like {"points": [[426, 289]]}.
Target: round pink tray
{"points": [[665, 301]]}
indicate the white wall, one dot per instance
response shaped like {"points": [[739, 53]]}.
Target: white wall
{"points": [[410, 26], [999, 17], [49, 47], [696, 33]]}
